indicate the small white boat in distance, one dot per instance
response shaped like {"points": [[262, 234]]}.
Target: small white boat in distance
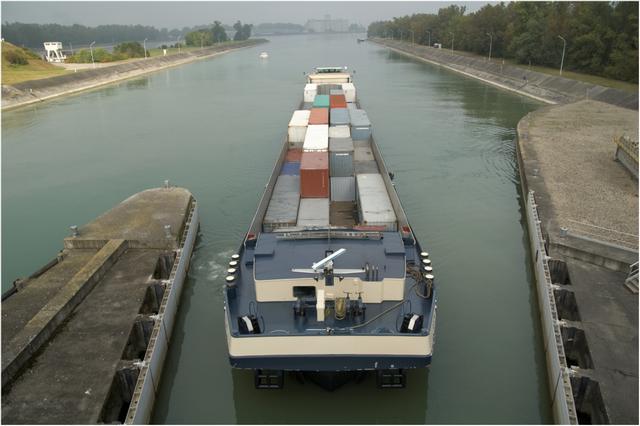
{"points": [[264, 55]]}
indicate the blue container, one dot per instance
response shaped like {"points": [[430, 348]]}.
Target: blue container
{"points": [[290, 169], [339, 116]]}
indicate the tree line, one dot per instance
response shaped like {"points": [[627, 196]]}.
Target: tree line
{"points": [[216, 34], [601, 37]]}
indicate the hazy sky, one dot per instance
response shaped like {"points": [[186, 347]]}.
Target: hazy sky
{"points": [[179, 14]]}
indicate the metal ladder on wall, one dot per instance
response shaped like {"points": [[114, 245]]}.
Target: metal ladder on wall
{"points": [[632, 280]]}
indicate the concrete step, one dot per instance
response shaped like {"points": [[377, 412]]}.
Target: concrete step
{"points": [[631, 284]]}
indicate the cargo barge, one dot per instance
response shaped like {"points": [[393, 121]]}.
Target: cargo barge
{"points": [[330, 280]]}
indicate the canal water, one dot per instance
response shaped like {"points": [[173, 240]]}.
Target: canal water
{"points": [[216, 127]]}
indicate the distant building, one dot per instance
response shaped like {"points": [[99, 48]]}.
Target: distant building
{"points": [[327, 25]]}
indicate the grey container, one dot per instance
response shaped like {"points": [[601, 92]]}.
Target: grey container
{"points": [[307, 105], [351, 105], [363, 154], [313, 213], [374, 204], [336, 92], [343, 188], [341, 164], [340, 145], [360, 124], [339, 116], [282, 211], [361, 167], [325, 89]]}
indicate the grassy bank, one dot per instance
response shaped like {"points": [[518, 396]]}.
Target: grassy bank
{"points": [[586, 78], [35, 69]]}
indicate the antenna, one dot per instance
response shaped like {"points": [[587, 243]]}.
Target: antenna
{"points": [[325, 266]]}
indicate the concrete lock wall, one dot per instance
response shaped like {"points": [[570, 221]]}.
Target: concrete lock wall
{"points": [[544, 87], [150, 373]]}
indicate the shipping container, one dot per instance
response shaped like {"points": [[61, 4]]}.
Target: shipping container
{"points": [[291, 168], [341, 164], [307, 106], [338, 117], [298, 126], [313, 213], [310, 92], [349, 92], [314, 175], [317, 138], [343, 188], [294, 155], [363, 154], [336, 92], [339, 132], [321, 101], [350, 105], [361, 167], [325, 89], [340, 145], [282, 211], [360, 124], [343, 214], [374, 204], [337, 101], [319, 116]]}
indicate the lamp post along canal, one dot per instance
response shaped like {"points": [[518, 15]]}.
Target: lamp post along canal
{"points": [[453, 37], [91, 49], [144, 44], [490, 44], [564, 45], [429, 31]]}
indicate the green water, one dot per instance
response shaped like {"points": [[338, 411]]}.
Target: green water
{"points": [[216, 127]]}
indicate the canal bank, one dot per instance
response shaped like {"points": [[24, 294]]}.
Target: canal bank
{"points": [[582, 213], [536, 85], [34, 91], [84, 338]]}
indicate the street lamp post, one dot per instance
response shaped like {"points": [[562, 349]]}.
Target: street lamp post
{"points": [[144, 43], [564, 45], [413, 40], [453, 37], [429, 31], [178, 43], [201, 39], [91, 49], [490, 44]]}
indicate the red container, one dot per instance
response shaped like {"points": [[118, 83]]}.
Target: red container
{"points": [[314, 175], [319, 116], [337, 101], [294, 155]]}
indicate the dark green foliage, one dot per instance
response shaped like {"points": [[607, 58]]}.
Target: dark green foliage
{"points": [[131, 49], [602, 37], [99, 55], [206, 37], [16, 57], [243, 32]]}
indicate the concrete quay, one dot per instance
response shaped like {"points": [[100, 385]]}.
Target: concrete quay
{"points": [[77, 333], [586, 205]]}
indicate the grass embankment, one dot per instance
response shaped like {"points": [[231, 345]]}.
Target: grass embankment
{"points": [[586, 78], [35, 68]]}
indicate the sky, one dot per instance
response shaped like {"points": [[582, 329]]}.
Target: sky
{"points": [[173, 14]]}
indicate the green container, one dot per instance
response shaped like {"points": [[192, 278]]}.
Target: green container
{"points": [[321, 101]]}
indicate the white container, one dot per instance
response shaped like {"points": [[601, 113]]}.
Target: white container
{"points": [[310, 92], [374, 204], [317, 138], [339, 132], [349, 92], [343, 188], [298, 126], [313, 213]]}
